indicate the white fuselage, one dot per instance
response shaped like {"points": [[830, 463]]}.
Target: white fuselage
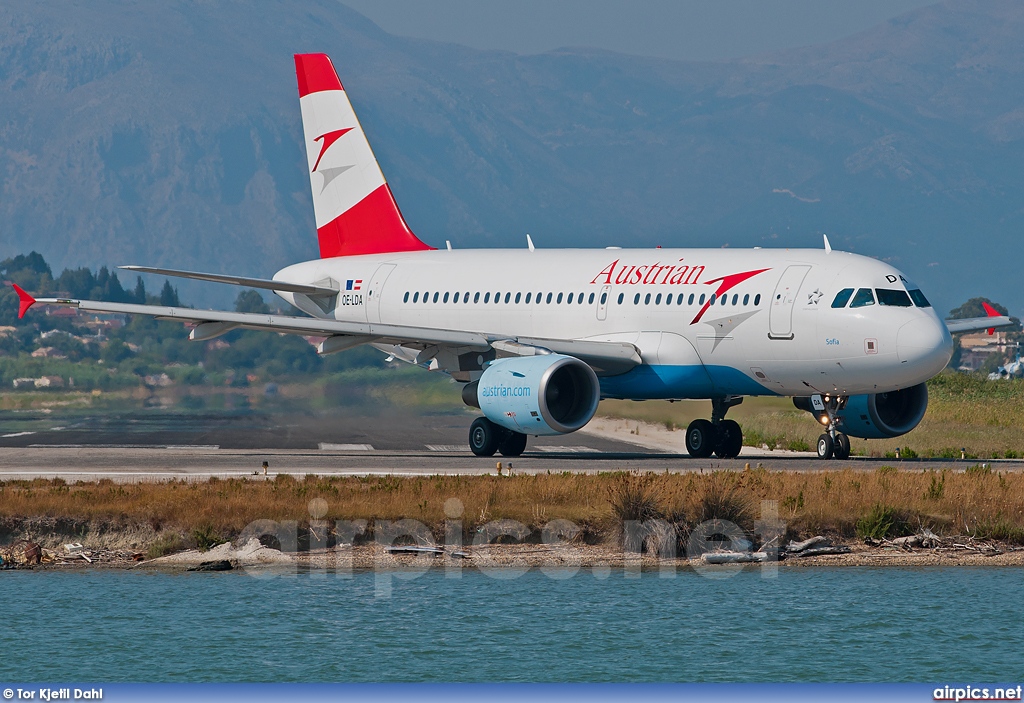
{"points": [[771, 330]]}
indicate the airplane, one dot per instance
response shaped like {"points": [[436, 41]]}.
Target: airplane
{"points": [[538, 336]]}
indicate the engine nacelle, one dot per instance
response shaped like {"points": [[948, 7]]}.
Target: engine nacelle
{"points": [[879, 415], [538, 395]]}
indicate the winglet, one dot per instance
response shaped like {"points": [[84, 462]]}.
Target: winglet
{"points": [[24, 299], [991, 312]]}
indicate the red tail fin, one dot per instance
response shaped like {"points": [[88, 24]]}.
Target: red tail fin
{"points": [[991, 312], [25, 301], [355, 210]]}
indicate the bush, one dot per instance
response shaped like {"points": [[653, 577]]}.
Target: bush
{"points": [[884, 522]]}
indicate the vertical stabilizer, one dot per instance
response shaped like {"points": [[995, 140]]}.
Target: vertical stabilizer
{"points": [[355, 210]]}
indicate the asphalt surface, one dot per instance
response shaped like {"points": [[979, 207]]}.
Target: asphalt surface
{"points": [[156, 445]]}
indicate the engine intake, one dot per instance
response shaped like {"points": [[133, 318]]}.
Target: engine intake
{"points": [[879, 415], [538, 395]]}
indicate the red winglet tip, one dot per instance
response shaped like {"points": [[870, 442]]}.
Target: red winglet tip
{"points": [[991, 311], [25, 301], [315, 73]]}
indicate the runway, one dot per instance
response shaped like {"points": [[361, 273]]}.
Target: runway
{"points": [[172, 447]]}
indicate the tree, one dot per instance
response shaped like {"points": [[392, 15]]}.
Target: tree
{"points": [[169, 296], [973, 308], [140, 291], [250, 300]]}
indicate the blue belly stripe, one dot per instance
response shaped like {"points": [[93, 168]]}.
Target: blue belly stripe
{"points": [[661, 382]]}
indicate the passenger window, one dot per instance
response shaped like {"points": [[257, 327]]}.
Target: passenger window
{"points": [[863, 298], [701, 301], [668, 299], [690, 300], [657, 300], [487, 297], [539, 296], [549, 298], [842, 298], [528, 297], [508, 297], [406, 298], [416, 297], [591, 299], [445, 298], [918, 297], [476, 297], [436, 296], [559, 299], [746, 299], [735, 298], [604, 298], [894, 298], [636, 299], [579, 299], [714, 297], [757, 299], [570, 299], [679, 300], [465, 297], [518, 296]]}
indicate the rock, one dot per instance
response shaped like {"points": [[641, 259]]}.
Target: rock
{"points": [[908, 542], [216, 565]]}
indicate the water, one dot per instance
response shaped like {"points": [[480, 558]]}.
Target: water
{"points": [[814, 624]]}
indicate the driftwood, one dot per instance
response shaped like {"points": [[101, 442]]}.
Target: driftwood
{"points": [[796, 547], [735, 557], [820, 551]]}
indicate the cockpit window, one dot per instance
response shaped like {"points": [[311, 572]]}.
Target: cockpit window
{"points": [[863, 298], [895, 298], [918, 297], [842, 298]]}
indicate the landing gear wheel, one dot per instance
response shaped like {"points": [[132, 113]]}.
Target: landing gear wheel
{"points": [[513, 445], [700, 439], [484, 437], [730, 439], [841, 450], [825, 446]]}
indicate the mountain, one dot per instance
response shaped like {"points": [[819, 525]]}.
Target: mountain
{"points": [[169, 134]]}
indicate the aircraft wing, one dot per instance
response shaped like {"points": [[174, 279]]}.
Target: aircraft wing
{"points": [[211, 323], [972, 324], [265, 283]]}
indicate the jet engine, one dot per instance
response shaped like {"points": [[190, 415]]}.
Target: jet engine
{"points": [[538, 395], [879, 415]]}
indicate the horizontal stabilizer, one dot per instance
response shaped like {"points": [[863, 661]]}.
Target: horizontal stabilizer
{"points": [[264, 283]]}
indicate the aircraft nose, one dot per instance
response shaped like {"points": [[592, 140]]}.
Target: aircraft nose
{"points": [[924, 342]]}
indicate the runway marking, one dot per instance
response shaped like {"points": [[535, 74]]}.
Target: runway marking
{"points": [[567, 450], [17, 434], [124, 446], [448, 447], [328, 446]]}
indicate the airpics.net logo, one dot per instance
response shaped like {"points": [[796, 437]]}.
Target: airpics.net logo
{"points": [[977, 693]]}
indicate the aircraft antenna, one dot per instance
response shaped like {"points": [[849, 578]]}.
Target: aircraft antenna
{"points": [[828, 247], [529, 242]]}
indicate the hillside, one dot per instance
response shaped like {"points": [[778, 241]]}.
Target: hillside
{"points": [[168, 134]]}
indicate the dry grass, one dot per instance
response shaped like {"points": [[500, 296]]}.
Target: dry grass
{"points": [[978, 501], [964, 411]]}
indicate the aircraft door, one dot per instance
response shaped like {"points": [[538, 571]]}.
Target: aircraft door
{"points": [[780, 314], [374, 291], [602, 302]]}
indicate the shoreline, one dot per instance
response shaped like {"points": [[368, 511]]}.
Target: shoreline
{"points": [[508, 558]]}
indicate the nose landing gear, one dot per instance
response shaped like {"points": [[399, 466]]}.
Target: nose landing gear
{"points": [[719, 436], [832, 444]]}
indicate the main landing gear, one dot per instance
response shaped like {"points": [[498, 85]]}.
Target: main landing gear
{"points": [[486, 437], [719, 436], [832, 444]]}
